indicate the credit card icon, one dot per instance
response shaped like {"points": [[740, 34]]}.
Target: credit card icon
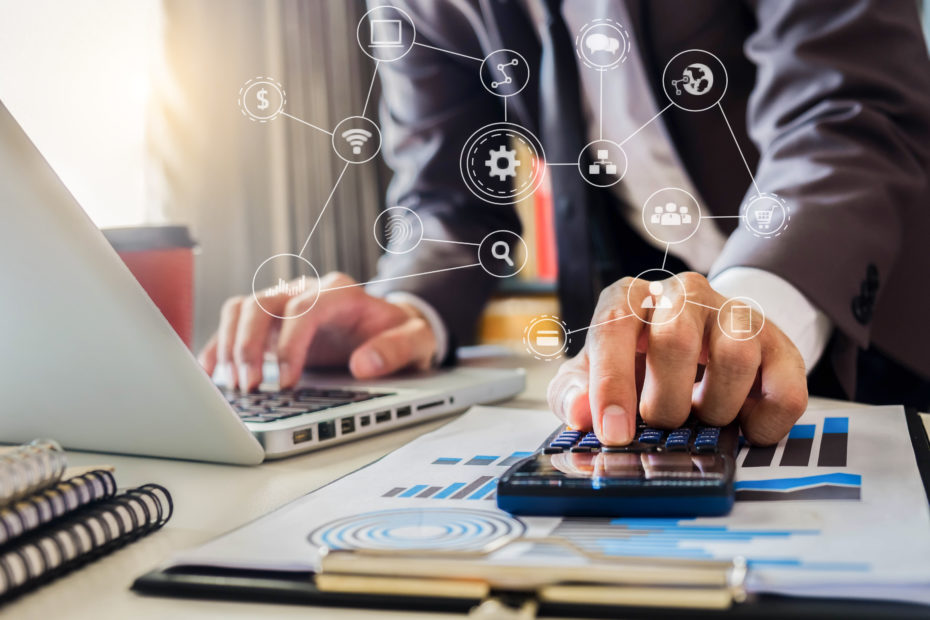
{"points": [[547, 338]]}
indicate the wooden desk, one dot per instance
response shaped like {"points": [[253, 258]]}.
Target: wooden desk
{"points": [[212, 499]]}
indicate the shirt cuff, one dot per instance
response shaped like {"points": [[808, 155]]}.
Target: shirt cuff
{"points": [[432, 318], [785, 306]]}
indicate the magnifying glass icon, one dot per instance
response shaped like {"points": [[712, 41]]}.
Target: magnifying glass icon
{"points": [[501, 251]]}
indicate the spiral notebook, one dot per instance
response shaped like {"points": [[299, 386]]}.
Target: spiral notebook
{"points": [[29, 468]]}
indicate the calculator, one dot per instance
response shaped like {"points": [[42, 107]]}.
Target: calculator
{"points": [[684, 472]]}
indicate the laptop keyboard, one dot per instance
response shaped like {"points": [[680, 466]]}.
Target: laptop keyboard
{"points": [[273, 406]]}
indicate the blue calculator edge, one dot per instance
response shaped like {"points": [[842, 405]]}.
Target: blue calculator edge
{"points": [[683, 472]]}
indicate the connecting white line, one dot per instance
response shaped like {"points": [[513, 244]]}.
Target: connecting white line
{"points": [[450, 241], [300, 120], [581, 329], [561, 163], [323, 210], [439, 49], [658, 114], [665, 258], [409, 275], [694, 303], [738, 148], [600, 107], [505, 109], [721, 217], [374, 76]]}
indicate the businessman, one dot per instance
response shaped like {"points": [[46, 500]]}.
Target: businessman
{"points": [[829, 103]]}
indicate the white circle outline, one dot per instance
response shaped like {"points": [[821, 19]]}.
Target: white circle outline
{"points": [[358, 32], [244, 107], [481, 73], [726, 78], [681, 284], [336, 133], [624, 40], [526, 252], [678, 189], [626, 163], [786, 212], [528, 137], [755, 306], [536, 321], [378, 219], [316, 277]]}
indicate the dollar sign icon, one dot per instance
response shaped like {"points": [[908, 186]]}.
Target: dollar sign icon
{"points": [[262, 101]]}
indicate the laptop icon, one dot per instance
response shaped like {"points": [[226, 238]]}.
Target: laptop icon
{"points": [[386, 33]]}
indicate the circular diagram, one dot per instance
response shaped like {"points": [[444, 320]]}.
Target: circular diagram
{"points": [[502, 253], [602, 44], [502, 163], [766, 215], [741, 318], [504, 73], [426, 528], [602, 163], [262, 99], [694, 80], [271, 289], [665, 299], [671, 215], [398, 230], [356, 139], [386, 33], [546, 337]]}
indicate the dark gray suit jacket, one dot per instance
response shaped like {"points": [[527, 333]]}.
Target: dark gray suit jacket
{"points": [[829, 99]]}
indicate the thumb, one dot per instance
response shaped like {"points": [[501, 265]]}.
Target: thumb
{"points": [[412, 343]]}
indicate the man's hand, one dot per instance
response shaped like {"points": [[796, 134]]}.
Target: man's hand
{"points": [[627, 363], [344, 326]]}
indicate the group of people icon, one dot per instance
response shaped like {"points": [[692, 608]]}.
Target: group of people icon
{"points": [[670, 215]]}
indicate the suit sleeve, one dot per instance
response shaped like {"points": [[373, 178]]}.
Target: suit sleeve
{"points": [[839, 113], [431, 103]]}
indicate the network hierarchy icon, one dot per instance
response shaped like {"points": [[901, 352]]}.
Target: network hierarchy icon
{"points": [[503, 163]]}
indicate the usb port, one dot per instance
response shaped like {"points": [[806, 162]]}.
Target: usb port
{"points": [[403, 412], [347, 425], [384, 416], [326, 430], [303, 435], [365, 420]]}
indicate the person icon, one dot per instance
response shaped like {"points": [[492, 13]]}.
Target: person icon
{"points": [[656, 297], [671, 216], [656, 216], [685, 215]]}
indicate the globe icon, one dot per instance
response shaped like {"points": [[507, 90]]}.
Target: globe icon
{"points": [[697, 78]]}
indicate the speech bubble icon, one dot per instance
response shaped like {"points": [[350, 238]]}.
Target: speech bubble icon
{"points": [[597, 42]]}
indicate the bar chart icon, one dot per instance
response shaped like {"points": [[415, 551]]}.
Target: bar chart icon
{"points": [[481, 487]]}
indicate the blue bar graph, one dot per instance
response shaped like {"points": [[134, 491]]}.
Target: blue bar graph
{"points": [[412, 490], [449, 490], [514, 458], [446, 460], [487, 488], [482, 459]]}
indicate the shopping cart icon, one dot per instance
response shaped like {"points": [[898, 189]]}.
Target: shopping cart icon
{"points": [[764, 218]]}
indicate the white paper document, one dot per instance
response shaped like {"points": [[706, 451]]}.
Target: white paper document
{"points": [[836, 509]]}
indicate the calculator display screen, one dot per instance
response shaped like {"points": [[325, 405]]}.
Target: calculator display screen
{"points": [[607, 466]]}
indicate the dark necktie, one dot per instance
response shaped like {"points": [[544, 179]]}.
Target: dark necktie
{"points": [[563, 136]]}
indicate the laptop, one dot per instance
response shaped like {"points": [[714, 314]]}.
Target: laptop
{"points": [[87, 358]]}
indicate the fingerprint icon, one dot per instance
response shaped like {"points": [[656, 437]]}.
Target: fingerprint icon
{"points": [[400, 229]]}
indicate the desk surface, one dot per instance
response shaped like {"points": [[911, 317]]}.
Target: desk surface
{"points": [[212, 499]]}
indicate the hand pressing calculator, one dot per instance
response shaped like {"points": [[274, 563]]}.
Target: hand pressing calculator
{"points": [[684, 472]]}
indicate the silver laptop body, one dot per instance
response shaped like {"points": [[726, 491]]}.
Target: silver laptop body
{"points": [[86, 358]]}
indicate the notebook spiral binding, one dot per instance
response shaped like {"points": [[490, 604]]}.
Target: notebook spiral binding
{"points": [[30, 468], [82, 537], [67, 496]]}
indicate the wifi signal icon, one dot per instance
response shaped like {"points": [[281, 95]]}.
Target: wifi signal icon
{"points": [[356, 139]]}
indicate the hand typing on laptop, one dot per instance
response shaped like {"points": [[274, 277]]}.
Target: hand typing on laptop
{"points": [[346, 326], [654, 362]]}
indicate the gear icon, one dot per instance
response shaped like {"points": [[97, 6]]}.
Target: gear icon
{"points": [[494, 163]]}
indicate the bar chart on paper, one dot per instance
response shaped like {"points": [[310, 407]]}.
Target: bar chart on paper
{"points": [[469, 478], [823, 444]]}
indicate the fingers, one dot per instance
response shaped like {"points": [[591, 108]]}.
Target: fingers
{"points": [[226, 335], [568, 393], [783, 391], [251, 336], [411, 343], [731, 370], [207, 357], [611, 344]]}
